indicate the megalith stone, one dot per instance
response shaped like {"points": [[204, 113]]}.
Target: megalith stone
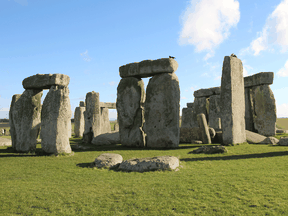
{"points": [[265, 110], [214, 112], [92, 116], [107, 160], [207, 92], [79, 121], [232, 101], [249, 110], [204, 129], [259, 79], [25, 120], [130, 99], [55, 120], [200, 106], [105, 122], [188, 134], [187, 118], [162, 111]]}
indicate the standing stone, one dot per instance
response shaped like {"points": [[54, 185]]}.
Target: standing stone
{"points": [[249, 110], [55, 120], [204, 129], [162, 111], [187, 118], [130, 99], [265, 110], [200, 106], [79, 122], [214, 112], [116, 127], [25, 120], [105, 123], [232, 101], [92, 117]]}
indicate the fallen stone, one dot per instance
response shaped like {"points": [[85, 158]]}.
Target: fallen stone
{"points": [[254, 138], [188, 135], [55, 120], [45, 81], [232, 102], [108, 160], [210, 150], [204, 129], [79, 121], [207, 92], [196, 142], [130, 99], [150, 164], [148, 68], [259, 79], [5, 142], [107, 139], [162, 111], [214, 112], [283, 141], [270, 140]]}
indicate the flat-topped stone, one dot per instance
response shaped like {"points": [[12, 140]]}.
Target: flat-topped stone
{"points": [[108, 105], [148, 68], [190, 105], [45, 81], [259, 79], [207, 92]]}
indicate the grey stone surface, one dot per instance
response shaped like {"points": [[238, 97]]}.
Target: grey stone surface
{"points": [[270, 140], [162, 111], [82, 104], [45, 81], [105, 123], [5, 142], [265, 110], [254, 138], [130, 99], [107, 139], [25, 120], [200, 106], [190, 105], [55, 120], [108, 105], [207, 92], [204, 129], [281, 131], [232, 101], [283, 141], [249, 109], [187, 118], [150, 164], [214, 112], [210, 150], [259, 79], [148, 68], [116, 127], [92, 116], [79, 121], [188, 135], [212, 132], [107, 160]]}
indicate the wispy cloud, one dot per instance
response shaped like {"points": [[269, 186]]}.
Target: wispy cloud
{"points": [[206, 24], [217, 78], [184, 98], [86, 57], [282, 110], [274, 32], [283, 72], [112, 83]]}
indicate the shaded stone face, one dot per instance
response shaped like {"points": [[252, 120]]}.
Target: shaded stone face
{"points": [[82, 104], [232, 101], [25, 120], [55, 120], [259, 79], [79, 121], [203, 128], [200, 106], [187, 118], [214, 112], [105, 123], [207, 92], [130, 99], [188, 135], [162, 111]]}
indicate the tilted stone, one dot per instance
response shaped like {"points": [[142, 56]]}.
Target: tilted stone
{"points": [[107, 160], [259, 79], [79, 121], [214, 112], [55, 120], [148, 68], [187, 118], [45, 81], [204, 129], [207, 92], [25, 120], [130, 99], [162, 111], [232, 101]]}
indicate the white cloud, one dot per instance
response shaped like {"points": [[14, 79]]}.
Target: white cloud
{"points": [[206, 23], [5, 109], [282, 110], [217, 78], [283, 72], [86, 57], [184, 98], [274, 32]]}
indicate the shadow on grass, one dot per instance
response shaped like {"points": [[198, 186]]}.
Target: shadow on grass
{"points": [[238, 157], [84, 165]]}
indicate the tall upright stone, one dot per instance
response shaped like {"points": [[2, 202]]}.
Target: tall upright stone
{"points": [[200, 106], [232, 101], [249, 110], [204, 129], [92, 116], [55, 120], [25, 120], [187, 118], [162, 111], [130, 100], [105, 122], [79, 121], [214, 112]]}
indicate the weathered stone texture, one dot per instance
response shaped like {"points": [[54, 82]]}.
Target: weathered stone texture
{"points": [[108, 160], [55, 120], [108, 105], [259, 79], [188, 135], [130, 99], [190, 105], [232, 101], [45, 81], [25, 120], [204, 129], [207, 92], [210, 150], [82, 104], [79, 121], [283, 141], [105, 123], [162, 111], [249, 109], [148, 68], [107, 139], [254, 138], [214, 112], [200, 106], [187, 118], [5, 142]]}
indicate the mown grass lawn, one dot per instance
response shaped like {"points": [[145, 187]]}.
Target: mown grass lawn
{"points": [[248, 180]]}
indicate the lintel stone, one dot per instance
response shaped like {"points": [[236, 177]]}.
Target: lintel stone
{"points": [[259, 79], [207, 92], [108, 105]]}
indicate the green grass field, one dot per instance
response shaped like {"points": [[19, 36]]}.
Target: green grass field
{"points": [[247, 180]]}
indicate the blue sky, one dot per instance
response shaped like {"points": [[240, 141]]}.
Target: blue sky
{"points": [[89, 40]]}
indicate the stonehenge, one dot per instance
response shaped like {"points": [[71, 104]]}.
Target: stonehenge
{"points": [[79, 121], [150, 120]]}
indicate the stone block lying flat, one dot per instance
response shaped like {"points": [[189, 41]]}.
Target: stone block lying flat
{"points": [[107, 160], [254, 138], [259, 79], [148, 68], [207, 92], [45, 81], [108, 105], [150, 164], [107, 139]]}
